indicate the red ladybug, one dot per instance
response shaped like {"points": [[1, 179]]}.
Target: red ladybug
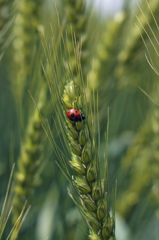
{"points": [[75, 116]]}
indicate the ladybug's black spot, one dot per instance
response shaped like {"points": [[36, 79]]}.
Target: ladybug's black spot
{"points": [[76, 111], [72, 114], [76, 118]]}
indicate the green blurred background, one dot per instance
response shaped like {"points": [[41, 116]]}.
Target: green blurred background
{"points": [[118, 67]]}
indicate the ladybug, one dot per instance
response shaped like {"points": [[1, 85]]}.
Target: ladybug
{"points": [[75, 116]]}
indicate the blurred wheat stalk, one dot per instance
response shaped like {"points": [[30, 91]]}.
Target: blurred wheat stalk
{"points": [[27, 28], [143, 154]]}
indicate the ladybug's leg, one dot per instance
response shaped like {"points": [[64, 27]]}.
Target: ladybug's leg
{"points": [[79, 119]]}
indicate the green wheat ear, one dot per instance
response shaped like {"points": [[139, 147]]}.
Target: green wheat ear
{"points": [[27, 29], [90, 193], [106, 51], [7, 210], [26, 33], [143, 180], [77, 17], [130, 51], [144, 150], [26, 177]]}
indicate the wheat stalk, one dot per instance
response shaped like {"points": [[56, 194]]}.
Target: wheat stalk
{"points": [[7, 210]]}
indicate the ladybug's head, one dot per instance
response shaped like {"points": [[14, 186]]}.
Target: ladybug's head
{"points": [[83, 117]]}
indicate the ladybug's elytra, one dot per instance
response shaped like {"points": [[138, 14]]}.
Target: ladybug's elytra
{"points": [[75, 116]]}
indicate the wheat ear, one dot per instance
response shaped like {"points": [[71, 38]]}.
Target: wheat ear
{"points": [[145, 144], [129, 53], [106, 50], [77, 17], [91, 194], [26, 37], [144, 151], [26, 177], [85, 163]]}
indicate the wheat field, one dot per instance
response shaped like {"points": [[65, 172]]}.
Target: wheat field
{"points": [[79, 125]]}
